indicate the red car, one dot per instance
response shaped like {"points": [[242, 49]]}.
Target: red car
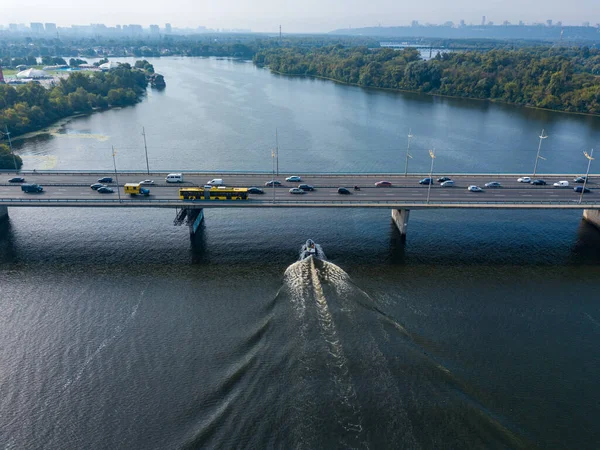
{"points": [[383, 184]]}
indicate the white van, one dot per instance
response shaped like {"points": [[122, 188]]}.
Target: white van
{"points": [[174, 178], [563, 183], [215, 182]]}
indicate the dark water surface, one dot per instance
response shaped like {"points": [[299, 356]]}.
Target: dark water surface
{"points": [[479, 331]]}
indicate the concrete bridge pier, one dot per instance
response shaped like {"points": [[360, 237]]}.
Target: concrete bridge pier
{"points": [[195, 218], [591, 215], [3, 213], [400, 218]]}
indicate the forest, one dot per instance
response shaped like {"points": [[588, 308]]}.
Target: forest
{"points": [[562, 79], [31, 106]]}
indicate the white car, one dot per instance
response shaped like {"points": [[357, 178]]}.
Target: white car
{"points": [[296, 191], [524, 180], [563, 183], [293, 178], [447, 183], [474, 188], [147, 182]]}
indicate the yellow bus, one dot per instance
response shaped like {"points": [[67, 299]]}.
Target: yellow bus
{"points": [[214, 193]]}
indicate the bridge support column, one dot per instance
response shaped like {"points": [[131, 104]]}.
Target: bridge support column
{"points": [[195, 218], [400, 218], [3, 213], [592, 216]]}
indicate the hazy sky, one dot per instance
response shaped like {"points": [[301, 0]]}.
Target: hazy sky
{"points": [[294, 16]]}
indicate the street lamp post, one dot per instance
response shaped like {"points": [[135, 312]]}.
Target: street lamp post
{"points": [[10, 147], [432, 154], [277, 150], [407, 154], [538, 152], [587, 173], [273, 179], [116, 173], [146, 149]]}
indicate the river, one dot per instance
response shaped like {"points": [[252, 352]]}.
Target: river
{"points": [[478, 331]]}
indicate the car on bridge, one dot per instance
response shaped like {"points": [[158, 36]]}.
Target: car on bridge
{"points": [[273, 183], [493, 184], [105, 190], [96, 186], [580, 180], [538, 182], [563, 183], [255, 190], [105, 180], [293, 178], [296, 191], [524, 180], [442, 179], [306, 187], [447, 183], [17, 180], [383, 184], [344, 191], [474, 188], [426, 181], [580, 189], [147, 182]]}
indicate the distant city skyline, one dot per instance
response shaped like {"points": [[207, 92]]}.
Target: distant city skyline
{"points": [[308, 16]]}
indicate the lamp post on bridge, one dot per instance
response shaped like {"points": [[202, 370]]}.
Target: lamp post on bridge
{"points": [[432, 154], [277, 150], [407, 153], [587, 173], [538, 157], [273, 179], [116, 173], [10, 147], [146, 149]]}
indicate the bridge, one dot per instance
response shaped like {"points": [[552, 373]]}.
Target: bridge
{"points": [[72, 189]]}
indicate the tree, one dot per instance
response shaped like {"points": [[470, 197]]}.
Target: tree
{"points": [[6, 158]]}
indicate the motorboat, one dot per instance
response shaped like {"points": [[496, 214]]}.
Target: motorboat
{"points": [[311, 249]]}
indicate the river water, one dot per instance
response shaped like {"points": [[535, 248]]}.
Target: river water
{"points": [[479, 331]]}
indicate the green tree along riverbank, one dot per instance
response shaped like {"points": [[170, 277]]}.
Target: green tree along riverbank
{"points": [[31, 107], [563, 79]]}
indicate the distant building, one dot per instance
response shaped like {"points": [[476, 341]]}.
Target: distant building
{"points": [[462, 23], [168, 28], [414, 23], [521, 23], [36, 27], [154, 29], [549, 22], [13, 27], [506, 23], [585, 24], [490, 24], [50, 28], [483, 21]]}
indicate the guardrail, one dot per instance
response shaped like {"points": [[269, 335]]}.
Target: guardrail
{"points": [[296, 203]]}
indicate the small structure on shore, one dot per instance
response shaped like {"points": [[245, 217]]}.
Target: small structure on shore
{"points": [[32, 73]]}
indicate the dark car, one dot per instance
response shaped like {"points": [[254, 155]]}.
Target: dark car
{"points": [[105, 190], [255, 190], [426, 181], [538, 182], [273, 183], [16, 180], [343, 191], [580, 180], [96, 186], [579, 189], [442, 179], [383, 184], [306, 187], [105, 180]]}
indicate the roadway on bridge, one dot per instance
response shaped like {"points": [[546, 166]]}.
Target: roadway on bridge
{"points": [[404, 189]]}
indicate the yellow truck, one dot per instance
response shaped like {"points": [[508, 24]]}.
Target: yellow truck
{"points": [[136, 189]]}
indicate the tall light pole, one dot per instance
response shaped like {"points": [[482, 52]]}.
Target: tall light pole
{"points": [[273, 179], [542, 137], [407, 153], [146, 149], [10, 147], [432, 154], [277, 150], [587, 173], [116, 173]]}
